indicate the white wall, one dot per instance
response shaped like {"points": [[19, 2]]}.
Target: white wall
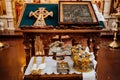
{"points": [[8, 18], [107, 8]]}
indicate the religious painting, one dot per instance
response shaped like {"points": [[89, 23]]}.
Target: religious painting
{"points": [[44, 1], [100, 4], [73, 12], [114, 6], [41, 1], [1, 10], [36, 1], [19, 6], [2, 7]]}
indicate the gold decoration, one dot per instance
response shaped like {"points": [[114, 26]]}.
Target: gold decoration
{"points": [[62, 67], [34, 62], [116, 44], [39, 46], [81, 59], [1, 28], [85, 62], [40, 14], [2, 7], [1, 44], [40, 70], [35, 71]]}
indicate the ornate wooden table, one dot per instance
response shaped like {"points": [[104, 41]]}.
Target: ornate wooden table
{"points": [[50, 71], [47, 69], [54, 77], [46, 35]]}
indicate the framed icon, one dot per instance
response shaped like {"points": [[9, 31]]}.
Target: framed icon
{"points": [[76, 13]]}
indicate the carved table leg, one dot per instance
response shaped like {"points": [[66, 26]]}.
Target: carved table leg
{"points": [[27, 51], [27, 48], [90, 44], [32, 41], [96, 43], [46, 41]]}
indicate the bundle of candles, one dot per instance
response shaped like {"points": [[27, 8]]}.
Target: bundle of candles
{"points": [[37, 68]]}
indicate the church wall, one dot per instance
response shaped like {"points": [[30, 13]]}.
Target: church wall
{"points": [[106, 11], [7, 18]]}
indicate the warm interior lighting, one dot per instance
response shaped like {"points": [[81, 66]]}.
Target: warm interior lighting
{"points": [[116, 44], [1, 28]]}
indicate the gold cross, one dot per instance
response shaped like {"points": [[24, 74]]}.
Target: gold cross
{"points": [[40, 14]]}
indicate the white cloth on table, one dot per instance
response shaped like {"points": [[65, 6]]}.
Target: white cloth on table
{"points": [[89, 75], [34, 67], [51, 67], [41, 66]]}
